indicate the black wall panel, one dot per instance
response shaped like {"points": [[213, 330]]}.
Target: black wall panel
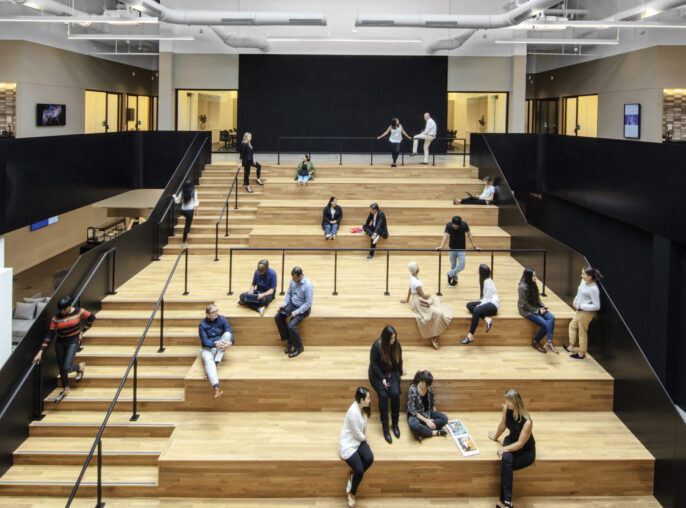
{"points": [[303, 95]]}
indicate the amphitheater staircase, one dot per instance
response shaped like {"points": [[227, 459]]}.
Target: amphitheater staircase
{"points": [[272, 438]]}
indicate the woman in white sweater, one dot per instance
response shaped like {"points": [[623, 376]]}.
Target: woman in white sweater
{"points": [[586, 303], [353, 447], [487, 306], [188, 199]]}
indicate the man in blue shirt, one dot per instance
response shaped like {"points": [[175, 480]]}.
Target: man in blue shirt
{"points": [[296, 306], [263, 288], [216, 337]]}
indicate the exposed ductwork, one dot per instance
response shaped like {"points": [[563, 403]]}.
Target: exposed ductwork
{"points": [[645, 10], [241, 42], [226, 18], [510, 18], [50, 7]]}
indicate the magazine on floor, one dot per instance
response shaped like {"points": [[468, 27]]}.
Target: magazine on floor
{"points": [[464, 441]]}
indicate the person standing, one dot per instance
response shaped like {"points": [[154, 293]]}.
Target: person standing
{"points": [[586, 303], [395, 139], [296, 307], [263, 288], [385, 369], [456, 229], [375, 227], [487, 306], [331, 218], [352, 444], [216, 337], [428, 135], [530, 306], [248, 160], [66, 327], [422, 417], [188, 199], [519, 446]]}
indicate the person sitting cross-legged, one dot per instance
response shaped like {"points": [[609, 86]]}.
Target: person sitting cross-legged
{"points": [[422, 417], [262, 290], [216, 337]]}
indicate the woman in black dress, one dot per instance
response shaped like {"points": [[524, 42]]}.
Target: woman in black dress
{"points": [[385, 369], [248, 160], [519, 447]]}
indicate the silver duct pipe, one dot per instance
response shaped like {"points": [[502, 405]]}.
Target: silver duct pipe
{"points": [[227, 18], [510, 18], [638, 12], [242, 42], [51, 7]]}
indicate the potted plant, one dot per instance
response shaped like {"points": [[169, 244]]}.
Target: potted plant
{"points": [[203, 119], [482, 123]]}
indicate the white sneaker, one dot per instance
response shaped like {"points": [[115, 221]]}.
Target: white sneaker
{"points": [[349, 486], [261, 310], [351, 501], [238, 301]]}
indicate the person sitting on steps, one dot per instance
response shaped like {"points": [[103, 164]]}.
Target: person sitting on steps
{"points": [[422, 417], [216, 337], [305, 171], [331, 218], [375, 227], [487, 306], [385, 369], [263, 288], [296, 307], [531, 307]]}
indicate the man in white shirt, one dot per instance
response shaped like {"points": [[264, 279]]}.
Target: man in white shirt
{"points": [[428, 135]]}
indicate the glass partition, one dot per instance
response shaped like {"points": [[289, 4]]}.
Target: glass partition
{"points": [[209, 110], [476, 112], [581, 116]]}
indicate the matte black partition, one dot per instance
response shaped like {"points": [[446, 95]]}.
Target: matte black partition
{"points": [[593, 196]]}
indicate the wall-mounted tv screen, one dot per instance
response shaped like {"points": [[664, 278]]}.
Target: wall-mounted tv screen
{"points": [[632, 121], [51, 115]]}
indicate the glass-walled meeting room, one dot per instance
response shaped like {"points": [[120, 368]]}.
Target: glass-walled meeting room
{"points": [[476, 112], [209, 110], [104, 112]]}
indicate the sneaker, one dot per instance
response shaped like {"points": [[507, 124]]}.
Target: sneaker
{"points": [[218, 392], [393, 165], [351, 500], [442, 432], [238, 301], [577, 357], [489, 324], [466, 341], [370, 257], [261, 310]]}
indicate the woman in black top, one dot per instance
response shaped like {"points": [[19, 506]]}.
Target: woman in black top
{"points": [[519, 447], [248, 160], [331, 218], [385, 369]]}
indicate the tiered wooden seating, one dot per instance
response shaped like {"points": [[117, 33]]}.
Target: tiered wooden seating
{"points": [[274, 433]]}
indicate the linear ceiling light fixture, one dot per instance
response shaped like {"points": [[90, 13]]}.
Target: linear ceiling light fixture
{"points": [[111, 20], [130, 37], [324, 39], [601, 24], [571, 42]]}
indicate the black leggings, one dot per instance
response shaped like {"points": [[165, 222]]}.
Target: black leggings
{"points": [[189, 220], [359, 462], [383, 394], [66, 351], [246, 171], [479, 311], [473, 201], [512, 461], [256, 305], [395, 151], [421, 429]]}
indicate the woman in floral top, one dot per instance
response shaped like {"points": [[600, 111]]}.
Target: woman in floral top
{"points": [[422, 416]]}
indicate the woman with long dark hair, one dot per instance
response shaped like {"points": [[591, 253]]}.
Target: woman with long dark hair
{"points": [[352, 445], [519, 447], [331, 218], [586, 303], [188, 199], [385, 369], [531, 307], [395, 139], [488, 304], [248, 160], [422, 417]]}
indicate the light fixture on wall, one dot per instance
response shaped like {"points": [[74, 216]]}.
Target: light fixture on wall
{"points": [[559, 42]]}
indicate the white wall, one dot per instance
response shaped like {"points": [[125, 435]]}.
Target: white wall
{"points": [[5, 307]]}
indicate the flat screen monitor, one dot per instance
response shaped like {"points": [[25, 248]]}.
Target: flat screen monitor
{"points": [[632, 121], [48, 115], [43, 223]]}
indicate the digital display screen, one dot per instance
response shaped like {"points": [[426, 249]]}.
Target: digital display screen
{"points": [[51, 115], [632, 121], [44, 222]]}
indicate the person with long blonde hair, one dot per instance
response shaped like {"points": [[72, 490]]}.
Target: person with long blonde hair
{"points": [[519, 447], [248, 160]]}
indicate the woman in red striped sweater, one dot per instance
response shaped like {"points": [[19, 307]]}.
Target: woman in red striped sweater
{"points": [[66, 328]]}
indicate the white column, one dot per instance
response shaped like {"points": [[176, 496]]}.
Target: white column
{"points": [[5, 307], [166, 91], [518, 88]]}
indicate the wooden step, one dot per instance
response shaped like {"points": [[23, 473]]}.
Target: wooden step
{"points": [[109, 303], [76, 426], [103, 355], [468, 378], [149, 376], [99, 399]]}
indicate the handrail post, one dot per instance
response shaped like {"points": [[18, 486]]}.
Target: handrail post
{"points": [[464, 152], [278, 151], [226, 224], [216, 242], [335, 271], [340, 153], [230, 270], [388, 258], [438, 293], [283, 265], [371, 153], [39, 393], [492, 263], [433, 163], [235, 187], [185, 275], [309, 148], [100, 504], [162, 348], [402, 158], [171, 220], [114, 272], [135, 415], [545, 267], [156, 256]]}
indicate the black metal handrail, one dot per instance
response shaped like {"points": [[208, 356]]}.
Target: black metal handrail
{"points": [[341, 139], [226, 209], [388, 253], [170, 205], [133, 364]]}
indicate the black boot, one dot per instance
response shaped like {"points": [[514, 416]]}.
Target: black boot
{"points": [[386, 433], [396, 430]]}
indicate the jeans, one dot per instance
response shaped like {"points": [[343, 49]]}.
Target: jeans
{"points": [[457, 261], [546, 322], [189, 220], [427, 141], [421, 429], [395, 151], [359, 462], [330, 229], [289, 331], [264, 301], [479, 311], [304, 178], [246, 171], [392, 393], [211, 356], [66, 351], [512, 461]]}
